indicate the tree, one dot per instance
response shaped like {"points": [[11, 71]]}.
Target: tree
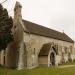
{"points": [[6, 24]]}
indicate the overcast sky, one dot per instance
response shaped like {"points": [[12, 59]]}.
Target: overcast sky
{"points": [[55, 14]]}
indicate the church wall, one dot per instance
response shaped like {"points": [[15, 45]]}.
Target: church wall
{"points": [[11, 55], [36, 42], [1, 57]]}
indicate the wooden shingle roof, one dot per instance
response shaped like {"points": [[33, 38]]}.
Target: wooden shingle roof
{"points": [[47, 32]]}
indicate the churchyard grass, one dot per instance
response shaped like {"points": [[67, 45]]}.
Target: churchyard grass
{"points": [[39, 71]]}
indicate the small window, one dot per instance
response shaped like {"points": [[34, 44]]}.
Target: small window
{"points": [[34, 50], [60, 48], [14, 26], [65, 49], [71, 49]]}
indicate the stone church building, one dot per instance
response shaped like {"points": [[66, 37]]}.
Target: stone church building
{"points": [[35, 45]]}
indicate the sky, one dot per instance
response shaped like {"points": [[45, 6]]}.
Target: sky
{"points": [[55, 14]]}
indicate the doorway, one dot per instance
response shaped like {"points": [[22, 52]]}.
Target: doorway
{"points": [[52, 59]]}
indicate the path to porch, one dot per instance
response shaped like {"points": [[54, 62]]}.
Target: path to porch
{"points": [[65, 66]]}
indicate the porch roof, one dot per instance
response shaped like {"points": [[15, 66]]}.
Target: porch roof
{"points": [[45, 49]]}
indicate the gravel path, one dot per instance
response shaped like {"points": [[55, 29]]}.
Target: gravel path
{"points": [[65, 66]]}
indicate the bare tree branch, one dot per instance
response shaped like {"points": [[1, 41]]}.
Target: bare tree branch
{"points": [[3, 1]]}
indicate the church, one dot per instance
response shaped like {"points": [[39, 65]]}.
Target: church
{"points": [[35, 45]]}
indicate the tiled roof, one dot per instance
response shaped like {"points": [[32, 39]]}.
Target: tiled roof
{"points": [[47, 32]]}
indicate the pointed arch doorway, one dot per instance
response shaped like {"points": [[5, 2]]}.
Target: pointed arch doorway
{"points": [[52, 58], [47, 55]]}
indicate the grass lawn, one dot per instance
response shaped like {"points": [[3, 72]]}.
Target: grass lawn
{"points": [[39, 71]]}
